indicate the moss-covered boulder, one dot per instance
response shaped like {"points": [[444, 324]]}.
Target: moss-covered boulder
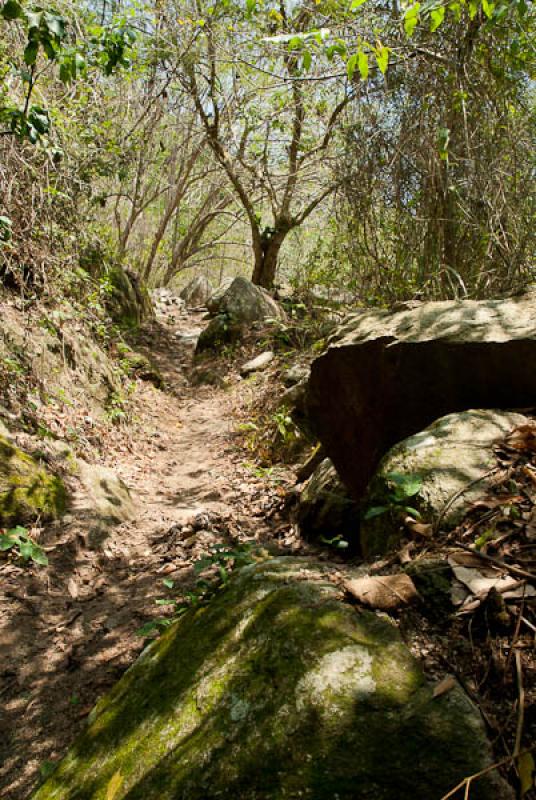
{"points": [[277, 690], [130, 303], [27, 489], [451, 460]]}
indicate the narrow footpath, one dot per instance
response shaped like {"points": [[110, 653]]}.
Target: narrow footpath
{"points": [[68, 632]]}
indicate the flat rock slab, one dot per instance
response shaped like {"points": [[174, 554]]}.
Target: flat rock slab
{"points": [[277, 689], [387, 375], [257, 364]]}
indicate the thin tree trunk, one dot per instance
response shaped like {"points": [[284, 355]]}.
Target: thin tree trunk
{"points": [[266, 258]]}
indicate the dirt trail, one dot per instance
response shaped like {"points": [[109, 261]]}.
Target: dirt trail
{"points": [[68, 632]]}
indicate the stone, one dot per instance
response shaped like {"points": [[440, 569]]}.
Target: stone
{"points": [[27, 489], [277, 689], [295, 374], [214, 301], [140, 366], [219, 332], [196, 293], [245, 303], [129, 303], [451, 458], [325, 509], [258, 363], [387, 375], [102, 496]]}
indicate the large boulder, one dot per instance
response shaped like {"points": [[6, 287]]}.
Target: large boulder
{"points": [[277, 690], [451, 462], [196, 293], [214, 301], [245, 303], [220, 331], [129, 301], [27, 489], [387, 375], [325, 509]]}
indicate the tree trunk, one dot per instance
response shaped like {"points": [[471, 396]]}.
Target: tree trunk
{"points": [[267, 255]]}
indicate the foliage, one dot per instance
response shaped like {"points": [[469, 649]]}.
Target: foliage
{"points": [[219, 562], [400, 488], [18, 541]]}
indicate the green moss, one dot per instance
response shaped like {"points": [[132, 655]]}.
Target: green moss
{"points": [[27, 490], [277, 690]]}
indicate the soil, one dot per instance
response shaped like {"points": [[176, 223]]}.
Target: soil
{"points": [[68, 632]]}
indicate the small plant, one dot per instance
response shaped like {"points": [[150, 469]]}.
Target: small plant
{"points": [[285, 425], [18, 540], [224, 560], [401, 489]]}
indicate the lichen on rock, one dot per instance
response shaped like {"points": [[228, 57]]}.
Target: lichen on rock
{"points": [[27, 489], [276, 690]]}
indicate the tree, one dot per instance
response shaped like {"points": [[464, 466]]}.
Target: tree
{"points": [[268, 115]]}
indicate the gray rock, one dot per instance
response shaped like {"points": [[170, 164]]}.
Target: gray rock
{"points": [[325, 508], [214, 301], [295, 374], [219, 332], [197, 292], [103, 497], [245, 303], [256, 364], [276, 690], [388, 375], [448, 458]]}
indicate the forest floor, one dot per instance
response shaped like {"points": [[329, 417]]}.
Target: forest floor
{"points": [[69, 631]]}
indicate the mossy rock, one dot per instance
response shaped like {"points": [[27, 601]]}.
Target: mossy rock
{"points": [[130, 303], [142, 367], [27, 489], [277, 691], [452, 458], [220, 331]]}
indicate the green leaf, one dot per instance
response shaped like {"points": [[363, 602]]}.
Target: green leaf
{"points": [[411, 18], [363, 64], [251, 6], [356, 4], [382, 58], [412, 512], [375, 511], [456, 10], [6, 542], [436, 18], [487, 8], [30, 53], [527, 771], [11, 10], [26, 549], [307, 60], [38, 556], [33, 18], [473, 8], [54, 24], [168, 583], [351, 64]]}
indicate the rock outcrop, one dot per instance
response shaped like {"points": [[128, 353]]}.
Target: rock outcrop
{"points": [[276, 690], [129, 302], [387, 375], [196, 293], [245, 303], [451, 460], [214, 301], [27, 489]]}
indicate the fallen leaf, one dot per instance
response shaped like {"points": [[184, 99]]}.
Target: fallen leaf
{"points": [[444, 686], [423, 529], [527, 770], [385, 592], [522, 438]]}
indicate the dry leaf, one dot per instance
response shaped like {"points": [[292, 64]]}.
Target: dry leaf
{"points": [[444, 686], [527, 770], [522, 438], [424, 529], [385, 592]]}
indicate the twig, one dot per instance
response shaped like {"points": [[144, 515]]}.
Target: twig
{"points": [[467, 781], [452, 499], [513, 570], [521, 705]]}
